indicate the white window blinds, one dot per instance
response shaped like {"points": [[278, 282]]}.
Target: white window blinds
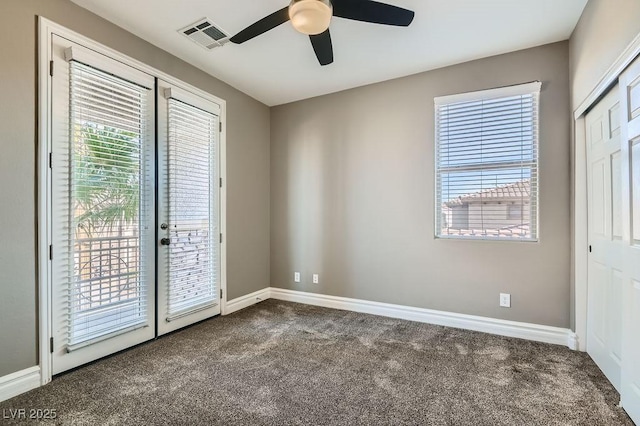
{"points": [[487, 164], [105, 206], [192, 211]]}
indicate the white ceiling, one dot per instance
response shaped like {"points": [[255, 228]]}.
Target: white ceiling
{"points": [[280, 66]]}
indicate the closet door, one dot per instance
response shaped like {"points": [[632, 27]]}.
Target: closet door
{"points": [[188, 208], [606, 267], [630, 189], [102, 215]]}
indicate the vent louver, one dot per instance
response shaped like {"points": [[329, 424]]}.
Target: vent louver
{"points": [[205, 34]]}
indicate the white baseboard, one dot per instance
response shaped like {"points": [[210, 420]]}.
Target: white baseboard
{"points": [[573, 341], [246, 301], [19, 382], [536, 332]]}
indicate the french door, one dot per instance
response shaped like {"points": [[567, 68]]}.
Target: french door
{"points": [[188, 200], [134, 215]]}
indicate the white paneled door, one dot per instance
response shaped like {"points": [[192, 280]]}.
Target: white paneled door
{"points": [[605, 289], [613, 172], [188, 206], [630, 189]]}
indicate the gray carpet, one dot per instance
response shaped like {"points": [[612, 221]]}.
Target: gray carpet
{"points": [[280, 363]]}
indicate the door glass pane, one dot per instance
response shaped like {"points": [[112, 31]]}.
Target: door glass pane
{"points": [[192, 196], [106, 289]]}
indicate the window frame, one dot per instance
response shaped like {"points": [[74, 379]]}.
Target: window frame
{"points": [[532, 88]]}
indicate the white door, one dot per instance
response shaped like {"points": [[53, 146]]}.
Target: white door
{"points": [[605, 286], [188, 208], [630, 184], [102, 196]]}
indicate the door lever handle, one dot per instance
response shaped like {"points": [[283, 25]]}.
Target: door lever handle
{"points": [[165, 241]]}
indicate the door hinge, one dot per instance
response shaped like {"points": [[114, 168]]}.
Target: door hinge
{"points": [[221, 293], [51, 160], [220, 182], [589, 249], [220, 125], [51, 345], [51, 68], [51, 252], [220, 238]]}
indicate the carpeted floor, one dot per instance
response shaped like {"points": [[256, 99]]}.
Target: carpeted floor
{"points": [[280, 363]]}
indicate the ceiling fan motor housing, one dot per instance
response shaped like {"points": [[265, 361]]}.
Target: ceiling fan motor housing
{"points": [[310, 17]]}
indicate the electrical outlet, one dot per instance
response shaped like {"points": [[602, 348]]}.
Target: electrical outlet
{"points": [[296, 277], [316, 279], [505, 300]]}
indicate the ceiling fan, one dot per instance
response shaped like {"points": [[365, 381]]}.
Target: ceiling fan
{"points": [[312, 17]]}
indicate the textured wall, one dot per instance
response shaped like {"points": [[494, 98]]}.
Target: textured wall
{"points": [[352, 197], [247, 165]]}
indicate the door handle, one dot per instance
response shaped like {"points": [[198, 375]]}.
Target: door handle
{"points": [[165, 241]]}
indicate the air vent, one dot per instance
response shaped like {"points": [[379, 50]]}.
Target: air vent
{"points": [[205, 33]]}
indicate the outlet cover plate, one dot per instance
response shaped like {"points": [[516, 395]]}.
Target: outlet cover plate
{"points": [[296, 277], [505, 300]]}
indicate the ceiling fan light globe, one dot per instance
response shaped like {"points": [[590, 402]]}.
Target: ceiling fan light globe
{"points": [[310, 17]]}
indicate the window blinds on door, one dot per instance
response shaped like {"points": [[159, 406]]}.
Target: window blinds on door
{"points": [[192, 209], [487, 164], [107, 205]]}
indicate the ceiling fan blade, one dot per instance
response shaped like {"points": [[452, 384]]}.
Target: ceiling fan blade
{"points": [[262, 26], [372, 11], [323, 47]]}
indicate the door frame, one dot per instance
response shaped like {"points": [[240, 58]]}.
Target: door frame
{"points": [[46, 30], [579, 202]]}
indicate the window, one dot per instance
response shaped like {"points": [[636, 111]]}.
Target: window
{"points": [[487, 164]]}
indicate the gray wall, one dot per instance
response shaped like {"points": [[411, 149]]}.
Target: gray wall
{"points": [[248, 124], [605, 29], [352, 198]]}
